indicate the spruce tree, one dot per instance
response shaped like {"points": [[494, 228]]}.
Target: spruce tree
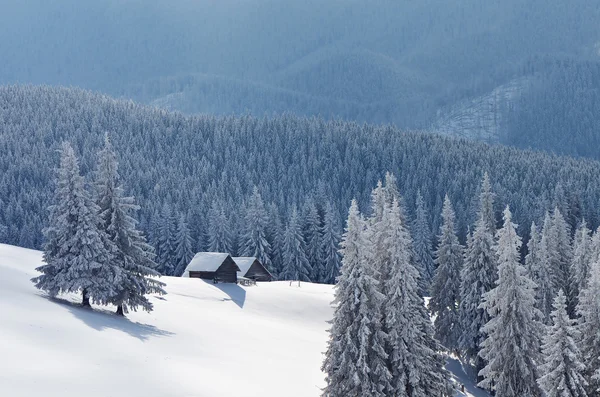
{"points": [[543, 274], [562, 370], [254, 239], [422, 245], [350, 349], [330, 247], [561, 260], [166, 248], [414, 359], [133, 255], [579, 264], [183, 247], [532, 258], [295, 264], [78, 254], [588, 324], [313, 235], [445, 290], [217, 235], [511, 347], [478, 276]]}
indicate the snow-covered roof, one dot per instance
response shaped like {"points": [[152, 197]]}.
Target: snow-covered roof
{"points": [[244, 263], [205, 262]]}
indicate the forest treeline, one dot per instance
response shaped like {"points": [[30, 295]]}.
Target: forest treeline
{"points": [[201, 171]]}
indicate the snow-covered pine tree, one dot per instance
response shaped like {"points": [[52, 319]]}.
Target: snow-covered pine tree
{"points": [[330, 247], [313, 235], [580, 264], [254, 239], [414, 359], [295, 264], [422, 245], [183, 247], [542, 274], [561, 374], [445, 290], [217, 236], [478, 276], [532, 258], [133, 255], [588, 324], [78, 255], [166, 248], [511, 347], [561, 261], [357, 301], [276, 234]]}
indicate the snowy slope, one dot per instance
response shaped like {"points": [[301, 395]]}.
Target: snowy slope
{"points": [[202, 340]]}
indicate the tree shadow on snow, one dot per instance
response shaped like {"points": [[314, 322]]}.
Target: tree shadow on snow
{"points": [[236, 293], [459, 376], [100, 320]]}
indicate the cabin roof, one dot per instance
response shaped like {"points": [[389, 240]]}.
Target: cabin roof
{"points": [[205, 262], [244, 263]]}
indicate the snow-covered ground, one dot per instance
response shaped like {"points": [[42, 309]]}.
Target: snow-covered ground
{"points": [[201, 340]]}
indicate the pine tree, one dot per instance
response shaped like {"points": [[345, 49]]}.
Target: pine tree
{"points": [[588, 324], [579, 264], [295, 264], [511, 347], [183, 248], [350, 349], [166, 249], [543, 274], [329, 247], [313, 235], [445, 290], [78, 255], [478, 276], [422, 245], [254, 239], [532, 259], [218, 235], [133, 255], [561, 261], [414, 358], [562, 370]]}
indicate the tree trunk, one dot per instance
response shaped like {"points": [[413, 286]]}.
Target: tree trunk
{"points": [[120, 311], [85, 302]]}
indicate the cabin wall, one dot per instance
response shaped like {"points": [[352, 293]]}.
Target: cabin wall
{"points": [[258, 272], [227, 272]]}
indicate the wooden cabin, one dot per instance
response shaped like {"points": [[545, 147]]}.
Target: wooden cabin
{"points": [[215, 266], [252, 269]]}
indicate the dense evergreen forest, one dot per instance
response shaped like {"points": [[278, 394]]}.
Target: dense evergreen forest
{"points": [[399, 62], [214, 180]]}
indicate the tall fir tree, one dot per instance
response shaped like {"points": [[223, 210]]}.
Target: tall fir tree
{"points": [[330, 247], [562, 369], [350, 349], [532, 258], [78, 254], [561, 260], [478, 276], [580, 264], [511, 347], [218, 237], [295, 263], [588, 324], [183, 246], [414, 358], [254, 238], [133, 255], [313, 235], [422, 245], [166, 241], [445, 290], [543, 273]]}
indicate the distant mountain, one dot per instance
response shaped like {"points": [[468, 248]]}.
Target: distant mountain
{"points": [[415, 64]]}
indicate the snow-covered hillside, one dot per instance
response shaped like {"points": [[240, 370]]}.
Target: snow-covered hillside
{"points": [[202, 340]]}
